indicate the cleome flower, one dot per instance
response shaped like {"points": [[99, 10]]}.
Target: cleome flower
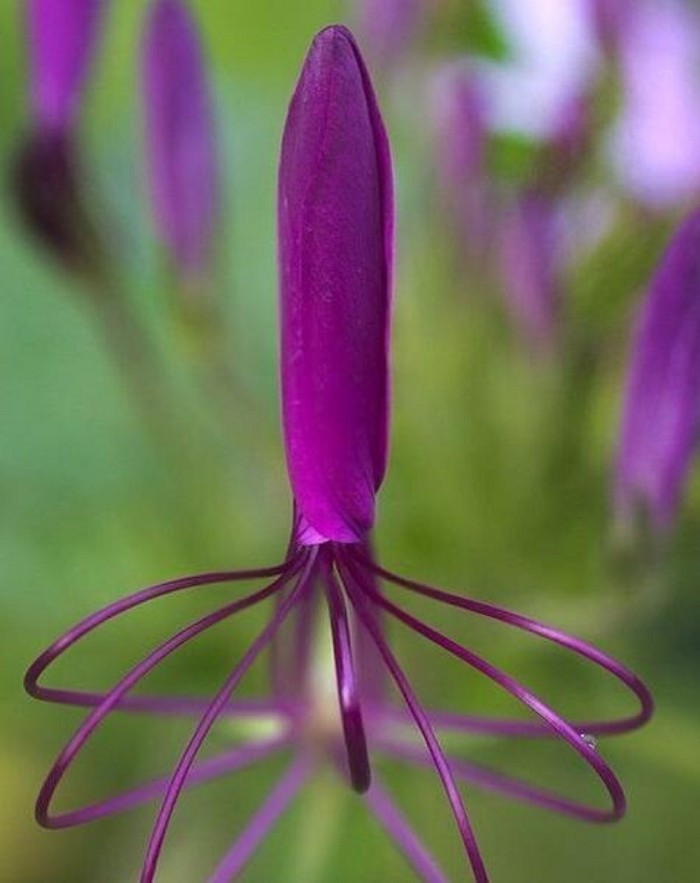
{"points": [[335, 260]]}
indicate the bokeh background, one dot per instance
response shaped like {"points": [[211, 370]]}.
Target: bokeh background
{"points": [[498, 486]]}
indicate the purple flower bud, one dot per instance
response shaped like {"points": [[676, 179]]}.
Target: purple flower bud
{"points": [[529, 267], [662, 399], [62, 36], [656, 147], [179, 147], [335, 244], [460, 133]]}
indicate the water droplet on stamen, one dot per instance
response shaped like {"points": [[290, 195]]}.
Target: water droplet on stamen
{"points": [[590, 740]]}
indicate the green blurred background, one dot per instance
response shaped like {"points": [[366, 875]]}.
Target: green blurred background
{"points": [[498, 486]]}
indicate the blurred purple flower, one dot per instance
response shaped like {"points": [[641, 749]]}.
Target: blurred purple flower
{"points": [[460, 144], [529, 266], [335, 229], [656, 147], [388, 26], [62, 38], [609, 19], [179, 138], [661, 410]]}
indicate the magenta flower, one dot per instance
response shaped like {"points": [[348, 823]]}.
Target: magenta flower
{"points": [[179, 138], [335, 229], [62, 38], [661, 409]]}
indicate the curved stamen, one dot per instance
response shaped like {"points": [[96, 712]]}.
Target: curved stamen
{"points": [[128, 682], [164, 705], [556, 724], [123, 605], [408, 842], [484, 725], [359, 601], [491, 780], [184, 764], [262, 821], [524, 623], [348, 694], [212, 768]]}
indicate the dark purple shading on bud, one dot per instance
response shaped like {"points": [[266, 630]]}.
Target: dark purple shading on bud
{"points": [[46, 185], [62, 36], [528, 257], [460, 143], [335, 243], [179, 138], [661, 408]]}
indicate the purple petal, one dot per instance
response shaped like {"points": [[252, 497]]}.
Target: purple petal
{"points": [[388, 26], [62, 36], [335, 249], [179, 138], [460, 134], [657, 142], [662, 398], [529, 267]]}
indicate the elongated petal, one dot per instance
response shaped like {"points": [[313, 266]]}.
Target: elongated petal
{"points": [[657, 143], [179, 145], [62, 36], [662, 398], [335, 232], [460, 142], [387, 26], [529, 268]]}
